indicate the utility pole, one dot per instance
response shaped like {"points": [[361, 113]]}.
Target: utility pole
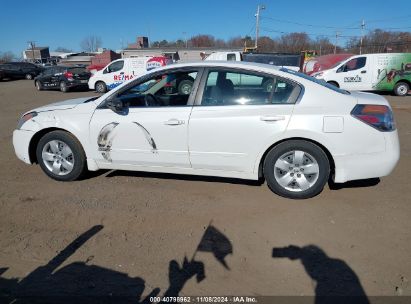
{"points": [[362, 35], [337, 34], [32, 45], [257, 24], [185, 39]]}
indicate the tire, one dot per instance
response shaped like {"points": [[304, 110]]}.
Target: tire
{"points": [[283, 164], [268, 85], [63, 87], [61, 156], [39, 87], [185, 87], [333, 83], [401, 89], [28, 76], [100, 87]]}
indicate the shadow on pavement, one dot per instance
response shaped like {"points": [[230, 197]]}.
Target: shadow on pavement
{"points": [[80, 282], [362, 183], [185, 177], [335, 281]]}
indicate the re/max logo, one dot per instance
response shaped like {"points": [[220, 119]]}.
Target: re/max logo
{"points": [[122, 77]]}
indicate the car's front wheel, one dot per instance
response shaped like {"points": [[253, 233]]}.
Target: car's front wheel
{"points": [[28, 76], [101, 87], [61, 156], [296, 169]]}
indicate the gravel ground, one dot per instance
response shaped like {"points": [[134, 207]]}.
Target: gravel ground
{"points": [[132, 231]]}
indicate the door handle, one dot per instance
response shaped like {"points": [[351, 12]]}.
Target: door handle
{"points": [[363, 72], [272, 118], [174, 122]]}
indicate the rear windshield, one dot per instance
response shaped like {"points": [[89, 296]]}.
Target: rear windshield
{"points": [[317, 81], [77, 70]]}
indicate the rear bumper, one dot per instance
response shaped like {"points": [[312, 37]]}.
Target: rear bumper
{"points": [[370, 165], [21, 142], [73, 84]]}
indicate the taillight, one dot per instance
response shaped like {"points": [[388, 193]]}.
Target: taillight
{"points": [[68, 75], [377, 116]]}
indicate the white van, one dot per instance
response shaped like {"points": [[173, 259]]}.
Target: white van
{"points": [[121, 70], [371, 72]]}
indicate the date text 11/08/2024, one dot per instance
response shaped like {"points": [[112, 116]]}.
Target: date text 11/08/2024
{"points": [[204, 299]]}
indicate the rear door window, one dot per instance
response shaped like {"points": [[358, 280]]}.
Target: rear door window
{"points": [[225, 88]]}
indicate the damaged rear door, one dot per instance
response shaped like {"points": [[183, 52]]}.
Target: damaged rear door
{"points": [[152, 127]]}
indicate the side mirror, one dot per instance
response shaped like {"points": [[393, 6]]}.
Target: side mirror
{"points": [[117, 105]]}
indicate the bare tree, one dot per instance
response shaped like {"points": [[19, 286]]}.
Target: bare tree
{"points": [[7, 56], [267, 45], [63, 49], [202, 41], [90, 43]]}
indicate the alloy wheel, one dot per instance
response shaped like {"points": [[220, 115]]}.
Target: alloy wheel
{"points": [[296, 171], [58, 157]]}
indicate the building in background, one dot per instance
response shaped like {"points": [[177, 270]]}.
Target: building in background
{"points": [[37, 54], [101, 60], [176, 54], [142, 43], [83, 58]]}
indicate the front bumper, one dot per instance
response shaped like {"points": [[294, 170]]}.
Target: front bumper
{"points": [[21, 142], [369, 165]]}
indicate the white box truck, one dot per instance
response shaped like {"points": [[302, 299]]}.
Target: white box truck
{"points": [[371, 72]]}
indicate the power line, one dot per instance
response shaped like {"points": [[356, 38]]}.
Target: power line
{"points": [[309, 34], [311, 25]]}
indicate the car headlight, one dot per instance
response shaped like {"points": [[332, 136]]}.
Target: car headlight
{"points": [[25, 118]]}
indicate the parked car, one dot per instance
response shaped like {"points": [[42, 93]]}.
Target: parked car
{"points": [[122, 70], [295, 135], [372, 72], [62, 78], [19, 70]]}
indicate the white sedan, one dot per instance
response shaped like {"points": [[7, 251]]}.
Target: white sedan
{"points": [[286, 127]]}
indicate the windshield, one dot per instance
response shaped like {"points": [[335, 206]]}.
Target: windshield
{"points": [[317, 81]]}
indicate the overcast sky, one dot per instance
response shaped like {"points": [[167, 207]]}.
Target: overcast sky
{"points": [[66, 23]]}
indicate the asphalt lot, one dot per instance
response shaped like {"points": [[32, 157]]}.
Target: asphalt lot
{"points": [[148, 223]]}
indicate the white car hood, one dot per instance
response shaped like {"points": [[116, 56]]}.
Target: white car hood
{"points": [[369, 98], [62, 105]]}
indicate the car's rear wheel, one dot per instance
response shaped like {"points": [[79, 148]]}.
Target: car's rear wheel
{"points": [[101, 87], [63, 87], [61, 156], [28, 76], [39, 87], [296, 169], [401, 89]]}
